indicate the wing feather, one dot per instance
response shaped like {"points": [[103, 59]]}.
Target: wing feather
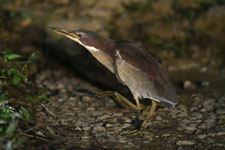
{"points": [[146, 70]]}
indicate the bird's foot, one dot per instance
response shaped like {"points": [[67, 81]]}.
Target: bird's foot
{"points": [[105, 94], [116, 96], [136, 132], [119, 98]]}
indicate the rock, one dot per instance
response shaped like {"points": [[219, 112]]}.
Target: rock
{"points": [[86, 99], [205, 83], [209, 102], [209, 108], [190, 129], [189, 85], [165, 135], [196, 116], [212, 134], [64, 122], [104, 117], [90, 109], [210, 122], [204, 69], [109, 125], [87, 128], [99, 128], [202, 136], [159, 118], [220, 111], [202, 126], [221, 133], [128, 120], [185, 142]]}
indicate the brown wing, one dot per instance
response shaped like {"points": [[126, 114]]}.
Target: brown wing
{"points": [[147, 71]]}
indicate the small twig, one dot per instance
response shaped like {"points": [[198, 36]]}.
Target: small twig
{"points": [[37, 137], [49, 111]]}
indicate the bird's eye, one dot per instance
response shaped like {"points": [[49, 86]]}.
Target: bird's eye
{"points": [[78, 34]]}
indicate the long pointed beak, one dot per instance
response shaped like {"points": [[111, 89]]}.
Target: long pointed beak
{"points": [[68, 33]]}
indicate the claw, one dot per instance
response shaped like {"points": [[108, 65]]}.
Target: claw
{"points": [[104, 94], [136, 132]]}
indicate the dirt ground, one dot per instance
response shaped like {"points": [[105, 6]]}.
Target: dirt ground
{"points": [[188, 39]]}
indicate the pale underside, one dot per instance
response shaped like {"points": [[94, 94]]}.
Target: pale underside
{"points": [[106, 60]]}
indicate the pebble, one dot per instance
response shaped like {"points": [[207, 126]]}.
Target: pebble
{"points": [[189, 85], [99, 128], [209, 101], [64, 122], [90, 109], [182, 114], [85, 137], [159, 118], [191, 129], [205, 83], [86, 99], [165, 135], [126, 125], [108, 125], [185, 142], [86, 128], [208, 108], [196, 117], [193, 109], [202, 136], [220, 111], [104, 117], [118, 115], [212, 134], [210, 122], [220, 133], [128, 120]]}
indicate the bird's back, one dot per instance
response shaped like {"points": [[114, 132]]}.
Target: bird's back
{"points": [[143, 74]]}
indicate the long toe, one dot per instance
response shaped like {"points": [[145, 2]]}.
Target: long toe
{"points": [[136, 132]]}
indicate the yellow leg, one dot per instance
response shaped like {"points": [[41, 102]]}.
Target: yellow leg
{"points": [[147, 119], [152, 110], [121, 99], [138, 105]]}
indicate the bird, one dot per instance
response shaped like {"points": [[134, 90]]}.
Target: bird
{"points": [[133, 66]]}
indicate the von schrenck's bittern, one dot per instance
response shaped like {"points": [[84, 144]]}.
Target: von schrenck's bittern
{"points": [[133, 67]]}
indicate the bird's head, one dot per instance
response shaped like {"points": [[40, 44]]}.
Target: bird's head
{"points": [[85, 38]]}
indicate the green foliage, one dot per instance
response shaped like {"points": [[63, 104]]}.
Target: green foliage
{"points": [[26, 113], [13, 75], [51, 131], [13, 81], [8, 57], [11, 128]]}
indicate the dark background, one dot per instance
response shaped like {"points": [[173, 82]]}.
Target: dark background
{"points": [[186, 36]]}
